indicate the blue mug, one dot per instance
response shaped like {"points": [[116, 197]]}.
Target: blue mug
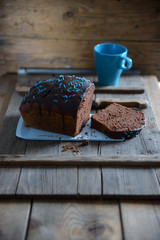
{"points": [[110, 60]]}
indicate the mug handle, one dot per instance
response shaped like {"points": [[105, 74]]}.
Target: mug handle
{"points": [[129, 63]]}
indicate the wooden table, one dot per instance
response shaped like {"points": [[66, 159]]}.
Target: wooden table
{"points": [[104, 191]]}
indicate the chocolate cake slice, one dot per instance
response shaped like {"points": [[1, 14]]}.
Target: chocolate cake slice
{"points": [[118, 122], [60, 105]]}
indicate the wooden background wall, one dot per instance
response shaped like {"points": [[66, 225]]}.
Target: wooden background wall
{"points": [[62, 33]]}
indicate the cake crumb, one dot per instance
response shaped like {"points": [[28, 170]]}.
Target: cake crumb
{"points": [[70, 147], [84, 143]]}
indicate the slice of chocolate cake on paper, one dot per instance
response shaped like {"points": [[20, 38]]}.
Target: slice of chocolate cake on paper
{"points": [[118, 122]]}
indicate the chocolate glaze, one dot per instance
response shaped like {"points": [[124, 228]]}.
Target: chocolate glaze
{"points": [[63, 93]]}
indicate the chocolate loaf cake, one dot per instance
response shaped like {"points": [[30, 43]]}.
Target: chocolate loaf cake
{"points": [[118, 122], [60, 105]]}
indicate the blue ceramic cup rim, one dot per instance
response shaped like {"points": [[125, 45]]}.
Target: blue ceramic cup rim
{"points": [[124, 49]]}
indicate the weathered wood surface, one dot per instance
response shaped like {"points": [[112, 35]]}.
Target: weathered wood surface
{"points": [[42, 168], [129, 102], [129, 220], [153, 92], [28, 19], [38, 156], [119, 90], [47, 181], [141, 220], [26, 81], [75, 220], [89, 181], [8, 141], [62, 34], [55, 54], [145, 148], [9, 178], [127, 181], [6, 89], [14, 218]]}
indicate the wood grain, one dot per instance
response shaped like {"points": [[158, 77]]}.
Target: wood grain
{"points": [[8, 141], [147, 142], [7, 83], [81, 20], [9, 180], [153, 92], [47, 181], [141, 220], [36, 159], [75, 220], [14, 216], [51, 53], [89, 181], [120, 90], [130, 182], [63, 34], [129, 102]]}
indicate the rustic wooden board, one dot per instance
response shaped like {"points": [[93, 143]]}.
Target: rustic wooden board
{"points": [[99, 20], [9, 180], [113, 182], [47, 181], [14, 216], [35, 36], [89, 181], [147, 142], [75, 220], [8, 141], [6, 89], [120, 90], [54, 54], [153, 92], [36, 159], [141, 220], [26, 81], [40, 174], [42, 148], [130, 182]]}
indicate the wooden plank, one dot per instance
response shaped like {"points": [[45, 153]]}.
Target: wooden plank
{"points": [[119, 90], [9, 180], [14, 216], [133, 146], [147, 142], [157, 172], [42, 148], [7, 83], [130, 182], [89, 181], [75, 220], [153, 92], [135, 103], [8, 141], [26, 81], [99, 18], [36, 159], [141, 220], [47, 181], [53, 53]]}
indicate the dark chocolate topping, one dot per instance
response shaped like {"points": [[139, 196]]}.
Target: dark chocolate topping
{"points": [[65, 92]]}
